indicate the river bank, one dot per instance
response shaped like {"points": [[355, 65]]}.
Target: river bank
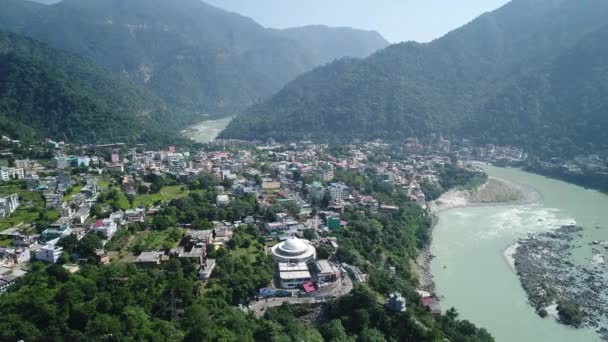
{"points": [[206, 131], [474, 251], [495, 192]]}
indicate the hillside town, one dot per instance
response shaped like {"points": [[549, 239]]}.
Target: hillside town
{"points": [[110, 204]]}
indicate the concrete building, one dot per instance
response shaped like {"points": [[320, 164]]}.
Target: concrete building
{"points": [[294, 250], [8, 173], [106, 227], [62, 162], [115, 158], [150, 258], [83, 161], [25, 164], [6, 281], [338, 192], [10, 256], [325, 272], [135, 215], [293, 275], [8, 205], [50, 252]]}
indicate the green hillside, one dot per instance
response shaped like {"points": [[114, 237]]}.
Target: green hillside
{"points": [[559, 109], [413, 89], [63, 96], [196, 57]]}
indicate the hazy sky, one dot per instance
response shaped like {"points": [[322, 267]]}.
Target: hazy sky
{"points": [[396, 20]]}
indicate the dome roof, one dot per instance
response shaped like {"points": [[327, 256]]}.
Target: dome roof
{"points": [[293, 246], [294, 250]]}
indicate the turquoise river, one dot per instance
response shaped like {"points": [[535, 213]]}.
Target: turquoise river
{"points": [[471, 271]]}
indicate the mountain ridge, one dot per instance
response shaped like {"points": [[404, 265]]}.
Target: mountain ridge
{"points": [[195, 56], [417, 88], [50, 93]]}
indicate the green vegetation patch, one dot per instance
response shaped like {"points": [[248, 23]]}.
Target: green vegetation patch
{"points": [[165, 194]]}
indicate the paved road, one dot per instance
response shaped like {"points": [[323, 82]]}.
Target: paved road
{"points": [[341, 288]]}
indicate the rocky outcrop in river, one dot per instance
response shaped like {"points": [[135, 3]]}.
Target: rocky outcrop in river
{"points": [[550, 275]]}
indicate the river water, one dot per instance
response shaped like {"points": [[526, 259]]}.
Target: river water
{"points": [[471, 271], [206, 131]]}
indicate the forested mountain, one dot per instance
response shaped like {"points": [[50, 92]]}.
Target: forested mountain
{"points": [[560, 109], [447, 85], [194, 56], [329, 43], [52, 93]]}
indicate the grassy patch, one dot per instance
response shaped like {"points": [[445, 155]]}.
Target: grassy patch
{"points": [[120, 241], [250, 252], [155, 240], [30, 205], [103, 181], [165, 194], [75, 190]]}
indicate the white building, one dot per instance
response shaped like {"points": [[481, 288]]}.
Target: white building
{"points": [[8, 205], [294, 250], [25, 164], [8, 173], [337, 192], [293, 275], [49, 253], [135, 215], [105, 227], [62, 162], [222, 199]]}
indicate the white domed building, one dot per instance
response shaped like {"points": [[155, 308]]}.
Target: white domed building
{"points": [[294, 250]]}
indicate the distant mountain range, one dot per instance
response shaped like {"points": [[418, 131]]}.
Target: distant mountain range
{"points": [[530, 73], [196, 57]]}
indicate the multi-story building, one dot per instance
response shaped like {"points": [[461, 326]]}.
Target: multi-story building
{"points": [[6, 281], [106, 227], [8, 173], [15, 255], [337, 192], [25, 164], [8, 205], [49, 253], [135, 215]]}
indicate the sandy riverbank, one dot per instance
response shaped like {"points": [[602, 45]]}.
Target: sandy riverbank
{"points": [[495, 192]]}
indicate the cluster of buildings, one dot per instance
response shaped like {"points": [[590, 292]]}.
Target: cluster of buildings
{"points": [[302, 184]]}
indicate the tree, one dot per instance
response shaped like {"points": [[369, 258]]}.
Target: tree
{"points": [[104, 325], [142, 189], [371, 335], [69, 243], [309, 234], [570, 313], [197, 323], [333, 331], [88, 245]]}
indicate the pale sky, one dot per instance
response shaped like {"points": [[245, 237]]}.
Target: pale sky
{"points": [[396, 20]]}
